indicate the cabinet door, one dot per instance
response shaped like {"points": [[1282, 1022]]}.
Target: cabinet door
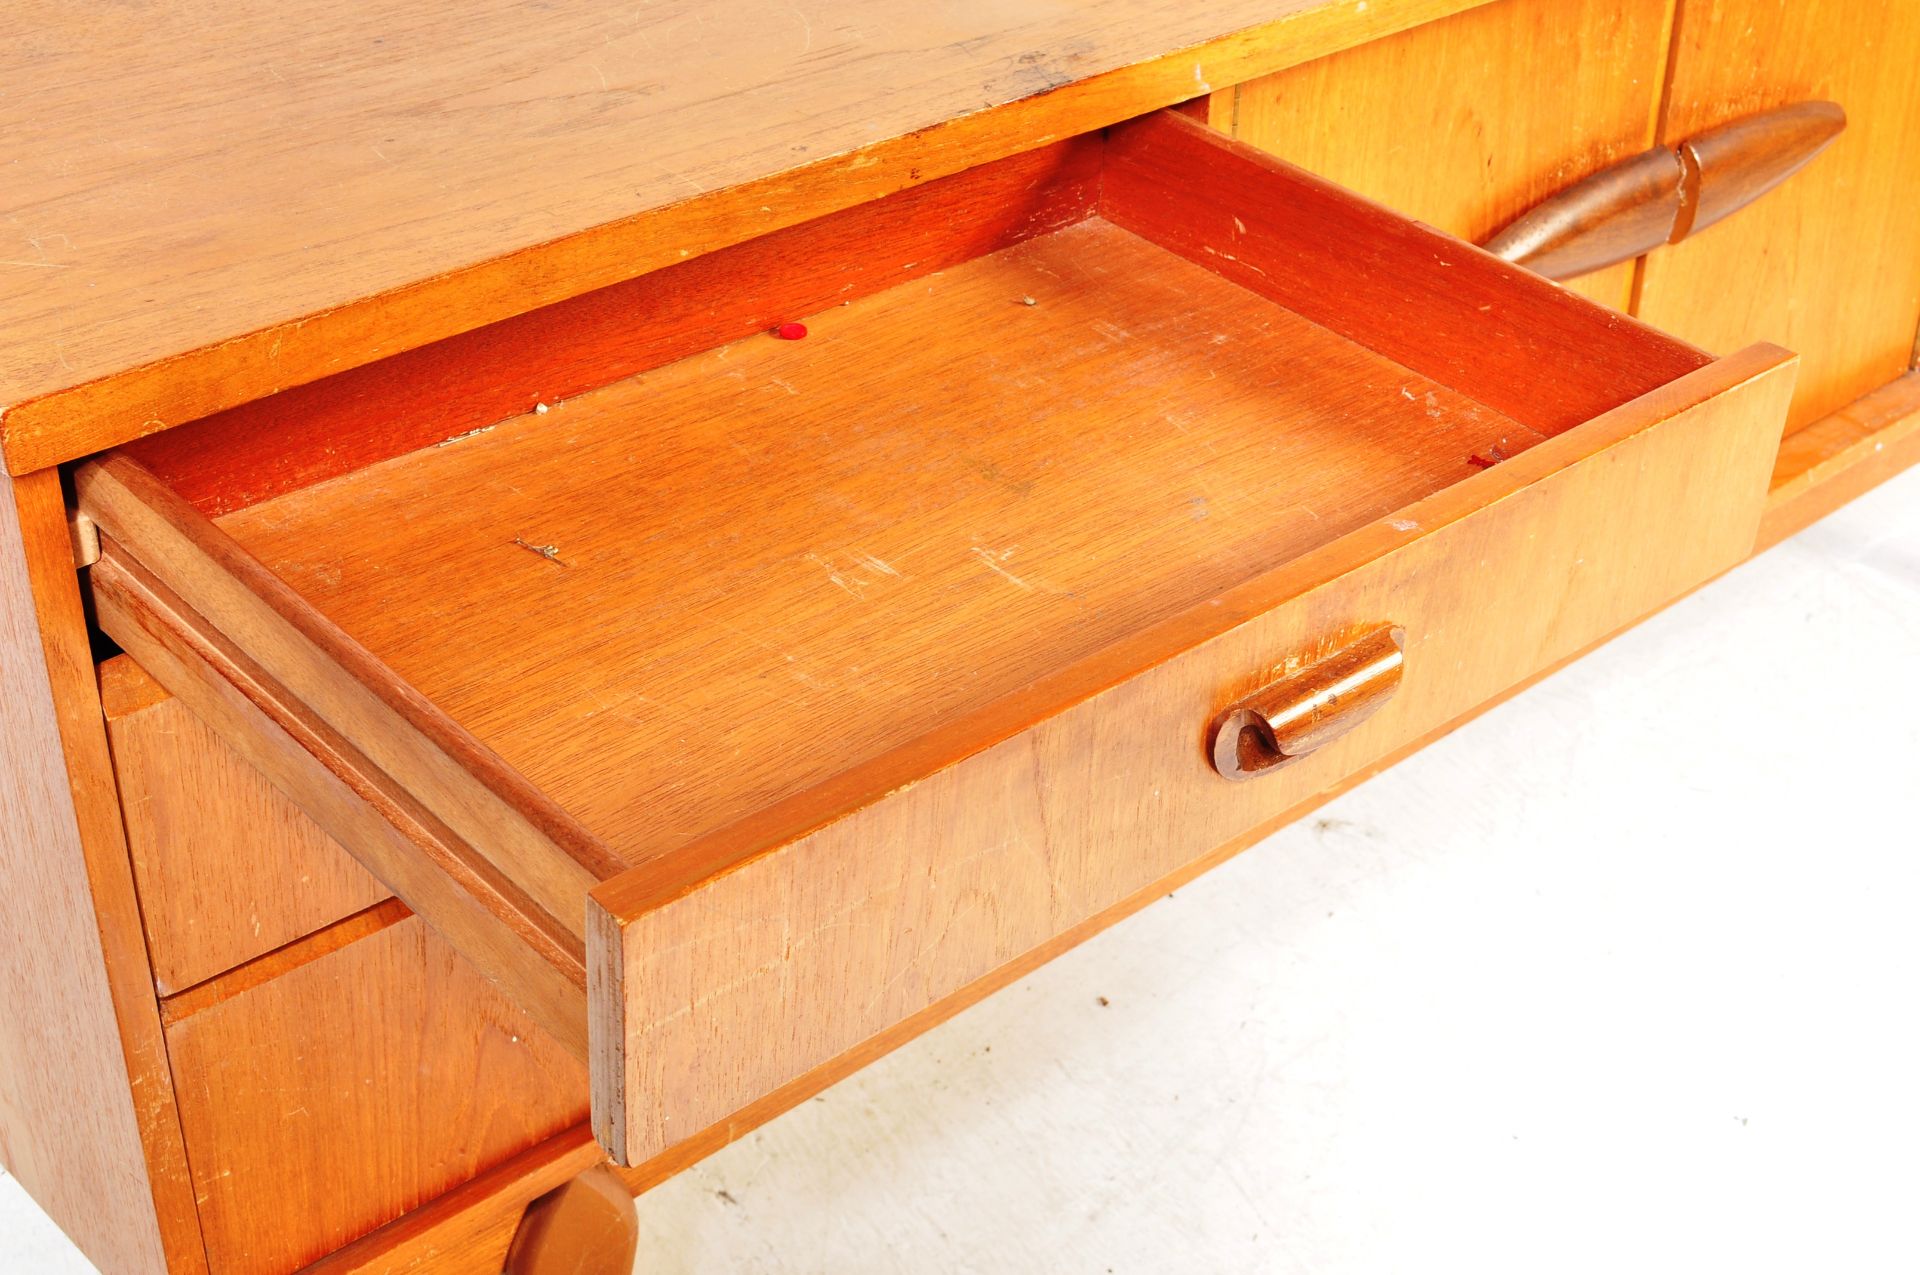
{"points": [[1466, 122], [1828, 264]]}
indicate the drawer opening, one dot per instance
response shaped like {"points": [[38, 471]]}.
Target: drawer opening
{"points": [[1127, 392], [675, 601]]}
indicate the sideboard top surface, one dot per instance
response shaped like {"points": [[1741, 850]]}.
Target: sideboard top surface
{"points": [[209, 204]]}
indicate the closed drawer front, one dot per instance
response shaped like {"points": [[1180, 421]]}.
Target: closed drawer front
{"points": [[352, 1088], [733, 714], [335, 1063], [228, 867]]}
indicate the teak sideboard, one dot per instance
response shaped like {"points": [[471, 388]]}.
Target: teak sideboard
{"points": [[571, 576]]}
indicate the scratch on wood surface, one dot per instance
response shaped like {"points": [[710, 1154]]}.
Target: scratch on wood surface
{"points": [[699, 998], [854, 570], [550, 552], [1227, 256], [993, 560], [793, 665], [853, 588], [922, 951]]}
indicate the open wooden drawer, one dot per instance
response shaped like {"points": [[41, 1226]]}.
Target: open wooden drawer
{"points": [[731, 714]]}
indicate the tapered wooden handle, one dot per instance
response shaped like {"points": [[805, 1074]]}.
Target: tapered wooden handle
{"points": [[1308, 709], [1667, 193]]}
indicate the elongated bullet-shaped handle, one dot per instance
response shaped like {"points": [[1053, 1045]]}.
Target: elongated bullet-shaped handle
{"points": [[1667, 193]]}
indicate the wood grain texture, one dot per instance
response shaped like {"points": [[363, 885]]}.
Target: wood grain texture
{"points": [[1829, 462], [227, 867], [833, 940], [1829, 264], [1467, 121], [87, 1120], [354, 1088], [210, 210], [340, 423]]}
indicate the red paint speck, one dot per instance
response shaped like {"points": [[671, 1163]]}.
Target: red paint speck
{"points": [[790, 331]]}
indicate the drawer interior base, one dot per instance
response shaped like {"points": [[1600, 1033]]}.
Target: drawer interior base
{"points": [[675, 600]]}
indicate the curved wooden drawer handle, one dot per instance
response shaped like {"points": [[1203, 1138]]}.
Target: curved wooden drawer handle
{"points": [[1668, 193], [1284, 722]]}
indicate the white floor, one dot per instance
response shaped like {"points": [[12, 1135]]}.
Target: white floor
{"points": [[1620, 978]]}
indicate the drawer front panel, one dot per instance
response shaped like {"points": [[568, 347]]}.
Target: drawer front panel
{"points": [[352, 1089], [731, 987], [228, 868]]}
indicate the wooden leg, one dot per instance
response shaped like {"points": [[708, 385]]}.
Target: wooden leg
{"points": [[585, 1227]]}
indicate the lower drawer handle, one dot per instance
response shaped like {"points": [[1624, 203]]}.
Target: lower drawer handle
{"points": [[1284, 722]]}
